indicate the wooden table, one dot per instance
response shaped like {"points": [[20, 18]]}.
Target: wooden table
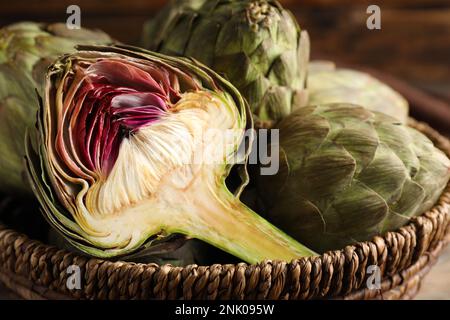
{"points": [[436, 285]]}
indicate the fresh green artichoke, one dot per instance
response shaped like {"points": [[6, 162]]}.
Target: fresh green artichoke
{"points": [[26, 50], [256, 44], [326, 84], [347, 174], [132, 147]]}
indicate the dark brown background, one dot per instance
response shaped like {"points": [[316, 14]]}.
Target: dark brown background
{"points": [[413, 46]]}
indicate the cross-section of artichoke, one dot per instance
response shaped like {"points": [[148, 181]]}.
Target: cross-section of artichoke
{"points": [[328, 84], [347, 174], [256, 44], [134, 146], [26, 50]]}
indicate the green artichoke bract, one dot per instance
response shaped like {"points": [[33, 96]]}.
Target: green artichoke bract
{"points": [[256, 44], [326, 84], [26, 50], [134, 146], [347, 174]]}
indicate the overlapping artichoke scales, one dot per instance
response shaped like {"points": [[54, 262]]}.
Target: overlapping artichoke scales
{"points": [[256, 44], [108, 179], [349, 174]]}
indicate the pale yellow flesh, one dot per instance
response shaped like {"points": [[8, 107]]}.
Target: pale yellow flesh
{"points": [[123, 207]]}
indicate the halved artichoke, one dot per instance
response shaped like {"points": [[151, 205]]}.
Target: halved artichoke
{"points": [[347, 174], [134, 146]]}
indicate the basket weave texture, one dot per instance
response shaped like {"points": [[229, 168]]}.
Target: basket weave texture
{"points": [[37, 271]]}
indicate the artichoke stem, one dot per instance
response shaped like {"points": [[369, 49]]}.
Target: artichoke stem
{"points": [[224, 222]]}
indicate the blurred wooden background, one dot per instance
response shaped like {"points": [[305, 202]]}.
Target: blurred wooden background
{"points": [[413, 45]]}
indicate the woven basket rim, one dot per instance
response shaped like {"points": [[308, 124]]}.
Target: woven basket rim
{"points": [[338, 273]]}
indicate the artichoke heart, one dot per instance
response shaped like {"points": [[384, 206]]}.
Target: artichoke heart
{"points": [[134, 146], [347, 174], [256, 44]]}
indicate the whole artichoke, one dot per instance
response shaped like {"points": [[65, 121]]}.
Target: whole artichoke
{"points": [[347, 174], [326, 84], [133, 147], [26, 50], [256, 44]]}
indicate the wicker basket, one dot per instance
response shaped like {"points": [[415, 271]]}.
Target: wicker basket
{"points": [[38, 271]]}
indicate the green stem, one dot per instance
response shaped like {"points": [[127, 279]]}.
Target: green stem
{"points": [[223, 221]]}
